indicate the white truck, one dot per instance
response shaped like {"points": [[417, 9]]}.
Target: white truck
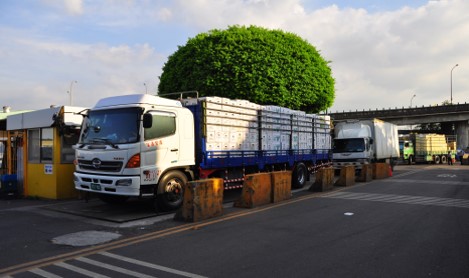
{"points": [[359, 142], [148, 147]]}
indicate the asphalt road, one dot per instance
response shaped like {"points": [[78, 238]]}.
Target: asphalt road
{"points": [[415, 224]]}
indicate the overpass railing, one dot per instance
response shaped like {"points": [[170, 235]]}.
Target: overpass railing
{"points": [[402, 112]]}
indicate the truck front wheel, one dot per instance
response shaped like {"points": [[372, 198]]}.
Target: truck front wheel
{"points": [[299, 175], [170, 190]]}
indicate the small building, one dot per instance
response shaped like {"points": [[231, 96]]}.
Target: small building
{"points": [[8, 160], [42, 143]]}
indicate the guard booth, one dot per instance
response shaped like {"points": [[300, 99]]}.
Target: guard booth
{"points": [[11, 164], [45, 139]]}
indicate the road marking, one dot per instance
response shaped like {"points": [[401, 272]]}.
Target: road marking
{"points": [[150, 265], [401, 199], [44, 273], [80, 270], [113, 268], [426, 181], [447, 176], [150, 236]]}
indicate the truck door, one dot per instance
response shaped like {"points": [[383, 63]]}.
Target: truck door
{"points": [[161, 142]]}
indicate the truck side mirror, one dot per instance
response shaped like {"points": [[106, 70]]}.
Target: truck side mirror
{"points": [[371, 141], [147, 120]]}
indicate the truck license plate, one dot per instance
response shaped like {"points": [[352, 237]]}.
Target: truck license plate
{"points": [[95, 186]]}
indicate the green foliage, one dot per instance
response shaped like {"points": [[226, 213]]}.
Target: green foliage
{"points": [[252, 63]]}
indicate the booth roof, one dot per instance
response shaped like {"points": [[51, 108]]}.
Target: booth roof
{"points": [[4, 115]]}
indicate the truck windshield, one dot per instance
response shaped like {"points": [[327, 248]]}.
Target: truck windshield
{"points": [[113, 126], [349, 145]]}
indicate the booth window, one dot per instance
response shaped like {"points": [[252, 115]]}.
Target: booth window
{"points": [[40, 145], [68, 139]]}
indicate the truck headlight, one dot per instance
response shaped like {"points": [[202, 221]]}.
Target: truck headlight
{"points": [[124, 182]]}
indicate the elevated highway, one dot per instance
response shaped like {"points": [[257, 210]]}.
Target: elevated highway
{"points": [[457, 114]]}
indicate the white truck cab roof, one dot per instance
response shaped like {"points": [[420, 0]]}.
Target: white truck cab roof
{"points": [[136, 99]]}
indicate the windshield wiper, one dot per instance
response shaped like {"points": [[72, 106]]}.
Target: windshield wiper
{"points": [[104, 140]]}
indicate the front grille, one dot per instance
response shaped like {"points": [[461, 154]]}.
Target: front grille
{"points": [[106, 166]]}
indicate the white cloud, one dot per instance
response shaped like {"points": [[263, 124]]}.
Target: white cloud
{"points": [[71, 7], [74, 7], [37, 73], [379, 59], [375, 56], [164, 14]]}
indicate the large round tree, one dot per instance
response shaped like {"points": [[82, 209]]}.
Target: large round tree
{"points": [[260, 65]]}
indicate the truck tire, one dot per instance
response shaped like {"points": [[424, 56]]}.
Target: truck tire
{"points": [[437, 159], [299, 175], [443, 159], [112, 199], [170, 190]]}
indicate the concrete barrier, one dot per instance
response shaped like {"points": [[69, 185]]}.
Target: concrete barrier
{"points": [[465, 159], [257, 191], [203, 199], [324, 180], [366, 173], [281, 186], [347, 176], [380, 170]]}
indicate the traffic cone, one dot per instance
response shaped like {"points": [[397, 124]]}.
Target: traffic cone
{"points": [[390, 171]]}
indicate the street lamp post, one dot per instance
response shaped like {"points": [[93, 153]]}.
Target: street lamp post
{"points": [[70, 91], [412, 99], [451, 85]]}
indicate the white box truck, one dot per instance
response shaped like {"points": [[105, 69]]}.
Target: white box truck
{"points": [[148, 147], [359, 142]]}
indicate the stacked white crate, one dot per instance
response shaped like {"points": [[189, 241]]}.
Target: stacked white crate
{"points": [[275, 127], [322, 133], [231, 125], [302, 126]]}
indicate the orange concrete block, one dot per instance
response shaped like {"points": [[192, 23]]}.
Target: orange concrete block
{"points": [[347, 176], [257, 191], [203, 199], [465, 159], [380, 170], [366, 173], [281, 186], [324, 180]]}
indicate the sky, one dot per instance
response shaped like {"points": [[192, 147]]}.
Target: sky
{"points": [[382, 53]]}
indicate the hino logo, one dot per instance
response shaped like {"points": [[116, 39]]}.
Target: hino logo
{"points": [[96, 163]]}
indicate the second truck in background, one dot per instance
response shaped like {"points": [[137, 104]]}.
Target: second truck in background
{"points": [[359, 142], [427, 148]]}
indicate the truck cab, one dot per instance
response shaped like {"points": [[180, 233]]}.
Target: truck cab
{"points": [[352, 145], [118, 156], [352, 151], [406, 149]]}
